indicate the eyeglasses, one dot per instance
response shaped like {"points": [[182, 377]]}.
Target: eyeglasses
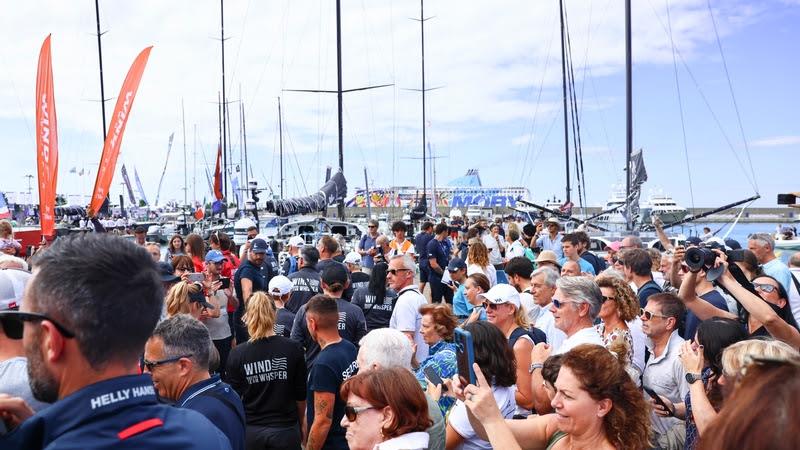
{"points": [[764, 287], [648, 315], [150, 365], [21, 317], [394, 271], [558, 303], [352, 412]]}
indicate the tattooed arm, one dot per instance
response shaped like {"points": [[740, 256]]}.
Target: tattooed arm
{"points": [[323, 419]]}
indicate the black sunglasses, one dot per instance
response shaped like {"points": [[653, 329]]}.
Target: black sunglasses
{"points": [[150, 365], [394, 271], [351, 412], [21, 317]]}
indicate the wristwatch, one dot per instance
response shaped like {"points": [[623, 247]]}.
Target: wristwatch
{"points": [[692, 377], [535, 366]]}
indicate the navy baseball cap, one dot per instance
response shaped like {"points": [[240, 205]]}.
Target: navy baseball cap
{"points": [[334, 273], [258, 246], [166, 272], [733, 244], [456, 264], [693, 240], [201, 299]]}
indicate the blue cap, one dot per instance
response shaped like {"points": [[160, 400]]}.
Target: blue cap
{"points": [[258, 246], [456, 264], [214, 256]]}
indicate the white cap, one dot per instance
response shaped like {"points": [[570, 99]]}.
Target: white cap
{"points": [[352, 258], [296, 241], [12, 288], [502, 293], [280, 285]]}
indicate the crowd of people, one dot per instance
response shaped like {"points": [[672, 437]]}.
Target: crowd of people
{"points": [[112, 342]]}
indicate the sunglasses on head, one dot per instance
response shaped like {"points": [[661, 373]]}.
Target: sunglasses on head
{"points": [[352, 412], [18, 318]]}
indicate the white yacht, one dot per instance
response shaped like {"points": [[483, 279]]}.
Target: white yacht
{"points": [[663, 206], [616, 217]]}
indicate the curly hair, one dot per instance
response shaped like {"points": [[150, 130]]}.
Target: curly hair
{"points": [[478, 254], [624, 297], [603, 376], [444, 321]]}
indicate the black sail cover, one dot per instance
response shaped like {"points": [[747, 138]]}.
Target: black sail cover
{"points": [[331, 192]]}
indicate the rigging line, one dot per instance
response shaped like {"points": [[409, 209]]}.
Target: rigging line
{"points": [[529, 146], [603, 123], [300, 173], [353, 135], [706, 102], [733, 97], [394, 95], [265, 64], [576, 129], [239, 47], [369, 83], [680, 105], [541, 147], [586, 54]]}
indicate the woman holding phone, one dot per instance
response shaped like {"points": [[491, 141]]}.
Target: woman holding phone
{"points": [[438, 325], [495, 359]]}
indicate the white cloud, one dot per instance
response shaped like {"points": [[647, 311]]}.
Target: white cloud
{"points": [[776, 141]]}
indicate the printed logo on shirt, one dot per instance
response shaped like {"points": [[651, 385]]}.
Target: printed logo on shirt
{"points": [[109, 398], [351, 369], [369, 299], [266, 370], [279, 329], [342, 321], [305, 285]]}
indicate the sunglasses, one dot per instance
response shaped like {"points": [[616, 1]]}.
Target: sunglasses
{"points": [[184, 269], [763, 287], [150, 365], [352, 412], [649, 315], [558, 303], [605, 299], [394, 271], [372, 226], [492, 306], [20, 318]]}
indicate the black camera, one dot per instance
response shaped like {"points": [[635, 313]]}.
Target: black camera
{"points": [[698, 258]]}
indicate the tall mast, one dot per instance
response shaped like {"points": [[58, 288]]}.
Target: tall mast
{"points": [[185, 173], [424, 122], [280, 143], [224, 111], [340, 206], [628, 113], [100, 57], [564, 88], [244, 143], [194, 166]]}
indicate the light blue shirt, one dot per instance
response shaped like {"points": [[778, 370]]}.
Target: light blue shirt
{"points": [[463, 308], [545, 243], [585, 265], [778, 270]]}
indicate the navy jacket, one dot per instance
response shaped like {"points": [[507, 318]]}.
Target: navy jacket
{"points": [[120, 413], [220, 404]]}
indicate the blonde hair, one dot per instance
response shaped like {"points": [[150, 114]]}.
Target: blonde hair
{"points": [[737, 355], [260, 316], [177, 300], [478, 254], [521, 317], [6, 231]]}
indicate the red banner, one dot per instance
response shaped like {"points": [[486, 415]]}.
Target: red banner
{"points": [[108, 162], [218, 175], [46, 140]]}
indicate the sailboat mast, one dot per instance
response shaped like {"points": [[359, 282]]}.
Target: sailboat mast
{"points": [[185, 173], [424, 136], [280, 143], [340, 207], [244, 143], [564, 88], [224, 103], [100, 57], [194, 166], [628, 113]]}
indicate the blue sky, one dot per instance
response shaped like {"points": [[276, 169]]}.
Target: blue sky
{"points": [[488, 57]]}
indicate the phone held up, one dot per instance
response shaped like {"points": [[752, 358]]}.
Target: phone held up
{"points": [[465, 356], [196, 277], [434, 378], [787, 199], [225, 282]]}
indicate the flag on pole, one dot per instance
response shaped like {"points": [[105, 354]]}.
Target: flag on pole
{"points": [[46, 140]]}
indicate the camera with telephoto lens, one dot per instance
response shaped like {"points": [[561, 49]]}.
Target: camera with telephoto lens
{"points": [[704, 256]]}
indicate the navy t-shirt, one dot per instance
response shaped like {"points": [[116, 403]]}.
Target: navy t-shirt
{"points": [[692, 321], [335, 364], [647, 289], [284, 319], [259, 276], [352, 327], [438, 250], [377, 312], [421, 241], [357, 280]]}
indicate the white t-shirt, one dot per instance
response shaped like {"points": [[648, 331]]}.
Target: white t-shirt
{"points": [[494, 248], [504, 396], [489, 271], [547, 323], [515, 249], [584, 336], [406, 317]]}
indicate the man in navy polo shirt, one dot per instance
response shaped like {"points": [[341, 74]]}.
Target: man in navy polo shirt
{"points": [[176, 356], [438, 254], [253, 276], [92, 303]]}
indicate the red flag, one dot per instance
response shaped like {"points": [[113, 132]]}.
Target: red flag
{"points": [[199, 213], [108, 162], [46, 140], [218, 175]]}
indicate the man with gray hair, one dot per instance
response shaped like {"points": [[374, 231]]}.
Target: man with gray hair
{"points": [[177, 357], [406, 316], [763, 246], [631, 242], [12, 262], [386, 348], [543, 287]]}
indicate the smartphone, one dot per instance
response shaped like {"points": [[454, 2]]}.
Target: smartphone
{"points": [[657, 399], [196, 277], [465, 356], [226, 282], [787, 199], [434, 378]]}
